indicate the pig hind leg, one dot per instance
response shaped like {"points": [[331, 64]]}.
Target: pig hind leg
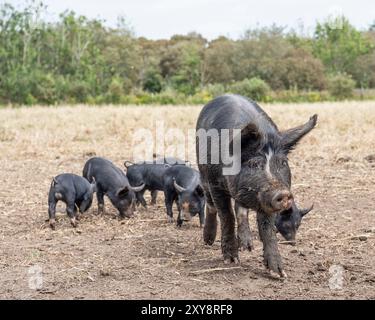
{"points": [[71, 210], [243, 229], [52, 211], [100, 198]]}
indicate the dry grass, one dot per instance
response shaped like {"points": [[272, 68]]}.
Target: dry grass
{"points": [[145, 257]]}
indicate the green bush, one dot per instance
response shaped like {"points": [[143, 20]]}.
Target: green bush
{"points": [[254, 88], [115, 91], [201, 97], [295, 96], [215, 90], [78, 91], [341, 86], [153, 81]]}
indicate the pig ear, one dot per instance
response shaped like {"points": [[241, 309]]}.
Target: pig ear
{"points": [[304, 212], [291, 137], [250, 136], [139, 188], [127, 164], [122, 192], [199, 191]]}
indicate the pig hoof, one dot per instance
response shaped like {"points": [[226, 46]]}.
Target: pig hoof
{"points": [[170, 219], [73, 222], [245, 244], [101, 209], [52, 224], [231, 261], [273, 274], [283, 274], [280, 275], [208, 239]]}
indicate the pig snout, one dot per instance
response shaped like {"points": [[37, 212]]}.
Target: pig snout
{"points": [[185, 212], [282, 200], [128, 213]]}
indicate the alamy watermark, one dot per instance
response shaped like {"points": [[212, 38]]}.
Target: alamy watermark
{"points": [[336, 280], [215, 146], [35, 277]]}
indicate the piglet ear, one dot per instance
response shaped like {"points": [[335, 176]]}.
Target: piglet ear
{"points": [[199, 191], [304, 212], [122, 192], [291, 137], [127, 164], [178, 188]]}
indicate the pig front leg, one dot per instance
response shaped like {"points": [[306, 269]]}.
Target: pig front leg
{"points": [[201, 218], [179, 220], [140, 198], [85, 205], [267, 233], [229, 244], [154, 194], [169, 199], [243, 229]]}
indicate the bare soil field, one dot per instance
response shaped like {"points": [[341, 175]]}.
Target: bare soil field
{"points": [[147, 258]]}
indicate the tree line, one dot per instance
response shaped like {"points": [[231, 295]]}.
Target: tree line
{"points": [[74, 59]]}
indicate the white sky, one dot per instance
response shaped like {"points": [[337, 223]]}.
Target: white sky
{"points": [[157, 19]]}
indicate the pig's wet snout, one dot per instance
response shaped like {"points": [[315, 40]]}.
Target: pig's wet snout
{"points": [[282, 200]]}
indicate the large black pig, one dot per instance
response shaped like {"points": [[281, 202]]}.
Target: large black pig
{"points": [[257, 177]]}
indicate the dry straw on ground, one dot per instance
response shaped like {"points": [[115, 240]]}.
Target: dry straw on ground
{"points": [[145, 257]]}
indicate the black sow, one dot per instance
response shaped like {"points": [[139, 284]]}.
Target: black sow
{"points": [[262, 180]]}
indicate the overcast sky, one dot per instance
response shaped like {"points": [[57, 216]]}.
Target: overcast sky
{"points": [[157, 19]]}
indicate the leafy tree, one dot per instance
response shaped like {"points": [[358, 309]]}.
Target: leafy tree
{"points": [[338, 44], [152, 81], [219, 61], [341, 86], [254, 88]]}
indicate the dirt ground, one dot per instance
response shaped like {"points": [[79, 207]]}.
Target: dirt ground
{"points": [[147, 258]]}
